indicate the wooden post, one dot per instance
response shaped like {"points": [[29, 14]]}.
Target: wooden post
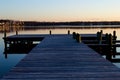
{"points": [[99, 37], [74, 35], [101, 31], [109, 51], [78, 38], [5, 42], [110, 40], [114, 39], [114, 34], [106, 38], [110, 44], [68, 32], [105, 50], [50, 32]]}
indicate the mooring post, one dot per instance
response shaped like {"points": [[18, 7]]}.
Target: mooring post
{"points": [[106, 38], [74, 35], [109, 51], [106, 42], [101, 31], [68, 32], [78, 38], [114, 36], [77, 35], [50, 32], [5, 42], [114, 42], [99, 37]]}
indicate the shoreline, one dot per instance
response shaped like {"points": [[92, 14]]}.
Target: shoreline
{"points": [[70, 27]]}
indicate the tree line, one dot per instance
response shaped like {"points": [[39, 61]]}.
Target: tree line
{"points": [[32, 23], [75, 23]]}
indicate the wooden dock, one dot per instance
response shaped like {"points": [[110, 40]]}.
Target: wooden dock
{"points": [[60, 57]]}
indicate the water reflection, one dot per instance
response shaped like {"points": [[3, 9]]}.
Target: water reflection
{"points": [[12, 60], [11, 29], [19, 48], [10, 26], [7, 64]]}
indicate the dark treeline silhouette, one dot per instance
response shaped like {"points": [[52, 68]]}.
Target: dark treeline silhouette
{"points": [[75, 23], [33, 23], [2, 20]]}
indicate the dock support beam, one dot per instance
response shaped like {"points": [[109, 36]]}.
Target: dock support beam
{"points": [[5, 42], [114, 39], [109, 48], [99, 37]]}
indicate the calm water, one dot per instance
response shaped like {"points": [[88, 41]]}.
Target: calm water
{"points": [[13, 59]]}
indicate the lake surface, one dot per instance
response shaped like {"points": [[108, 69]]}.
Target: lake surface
{"points": [[13, 59]]}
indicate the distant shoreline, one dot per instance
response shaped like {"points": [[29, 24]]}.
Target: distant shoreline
{"points": [[61, 25], [71, 27], [107, 23]]}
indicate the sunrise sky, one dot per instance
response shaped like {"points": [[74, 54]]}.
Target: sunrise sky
{"points": [[60, 10]]}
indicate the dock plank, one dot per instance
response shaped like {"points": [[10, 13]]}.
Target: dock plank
{"points": [[59, 57]]}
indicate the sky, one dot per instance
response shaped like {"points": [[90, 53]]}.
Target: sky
{"points": [[60, 10]]}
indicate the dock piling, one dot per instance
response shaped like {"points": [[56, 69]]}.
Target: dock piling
{"points": [[5, 42], [114, 39], [78, 38], [68, 32], [99, 37], [74, 35], [50, 32], [109, 48], [101, 31]]}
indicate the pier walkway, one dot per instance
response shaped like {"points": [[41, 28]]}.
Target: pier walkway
{"points": [[60, 57]]}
